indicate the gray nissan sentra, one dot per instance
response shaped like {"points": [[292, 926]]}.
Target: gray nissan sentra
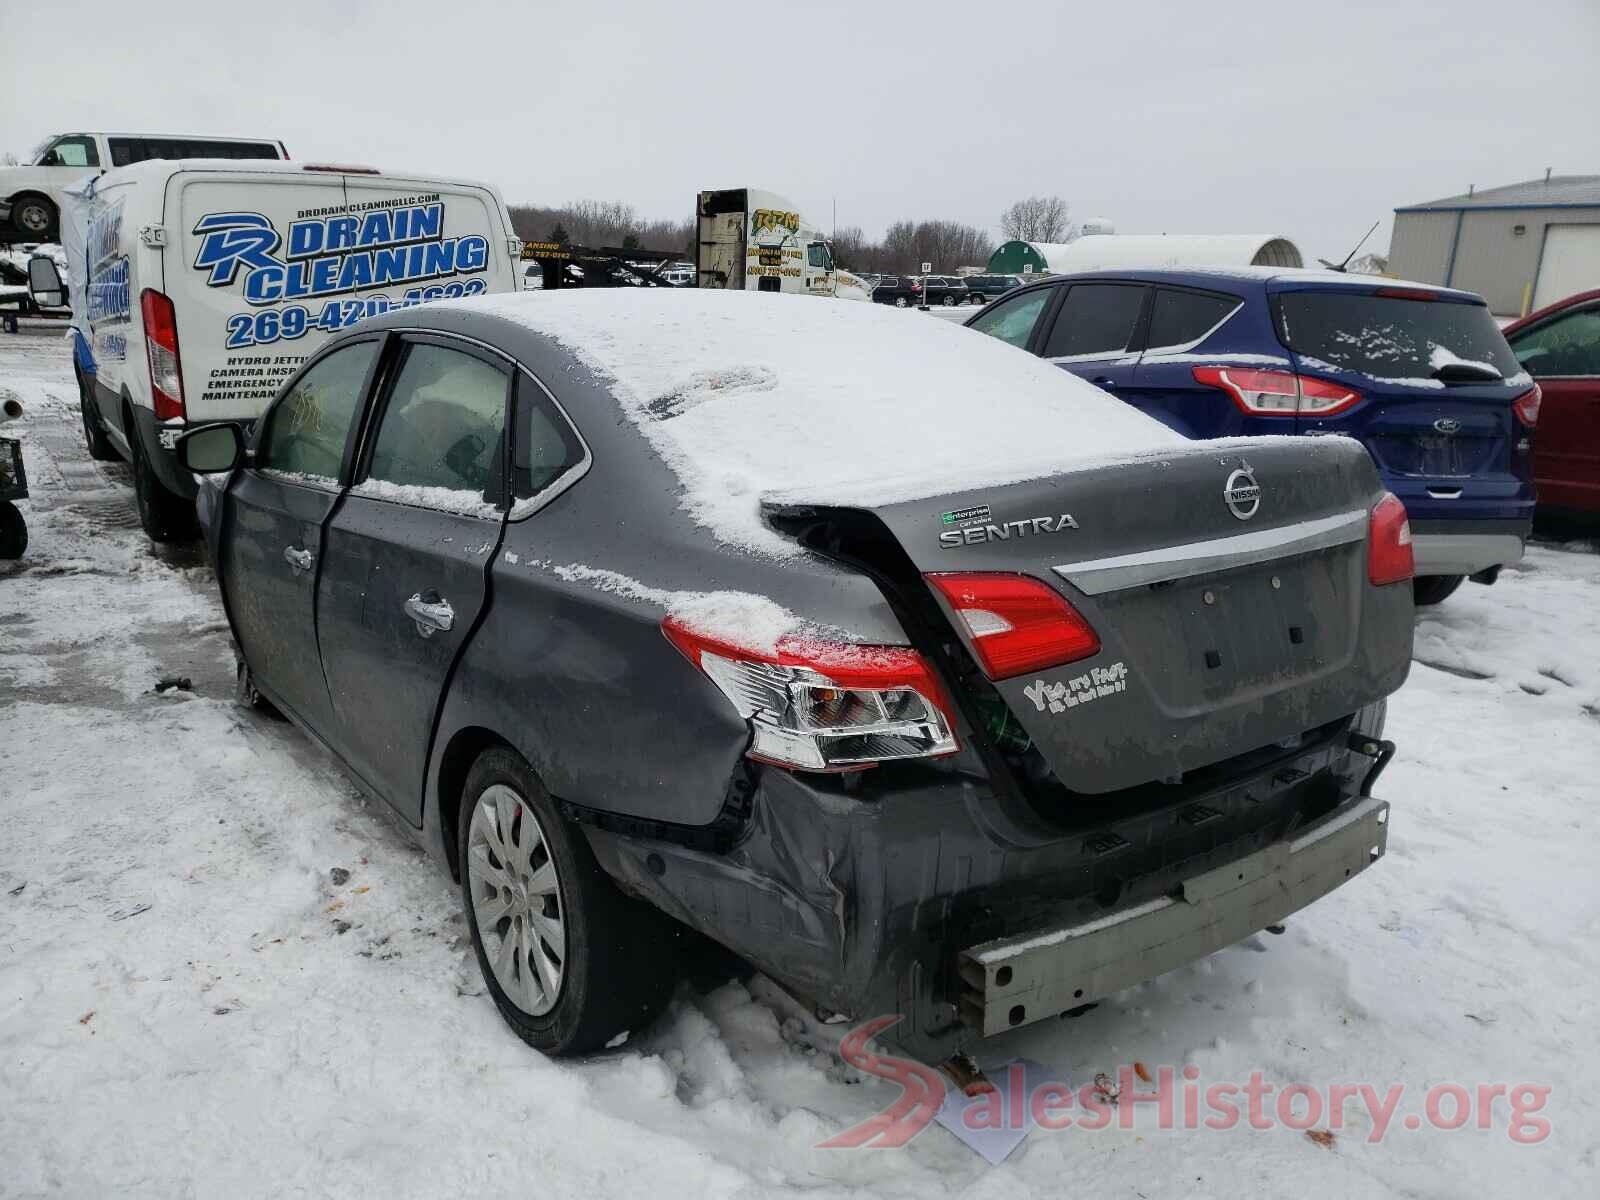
{"points": [[924, 676]]}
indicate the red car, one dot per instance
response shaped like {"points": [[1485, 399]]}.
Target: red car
{"points": [[1560, 347]]}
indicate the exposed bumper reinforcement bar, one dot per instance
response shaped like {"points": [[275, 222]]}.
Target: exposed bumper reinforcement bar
{"points": [[1015, 980]]}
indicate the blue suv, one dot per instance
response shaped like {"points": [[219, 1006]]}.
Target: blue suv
{"points": [[1421, 375]]}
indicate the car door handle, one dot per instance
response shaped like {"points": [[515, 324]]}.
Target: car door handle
{"points": [[430, 612], [297, 558], [1109, 385]]}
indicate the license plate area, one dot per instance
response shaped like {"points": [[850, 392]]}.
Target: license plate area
{"points": [[1266, 625]]}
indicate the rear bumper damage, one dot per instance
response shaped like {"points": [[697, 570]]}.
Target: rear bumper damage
{"points": [[914, 900], [1012, 981]]}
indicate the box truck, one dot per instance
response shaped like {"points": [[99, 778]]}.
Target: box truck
{"points": [[758, 241]]}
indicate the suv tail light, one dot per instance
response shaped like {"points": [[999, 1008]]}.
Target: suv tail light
{"points": [[1526, 406], [1389, 558], [1278, 393], [817, 705], [1017, 624], [161, 345]]}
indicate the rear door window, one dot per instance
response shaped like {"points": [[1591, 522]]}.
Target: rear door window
{"points": [[307, 429], [1013, 320], [127, 150], [1565, 347], [1390, 337], [442, 430], [1183, 318], [547, 446], [1095, 320]]}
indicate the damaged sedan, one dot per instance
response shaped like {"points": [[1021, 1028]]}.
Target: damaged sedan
{"points": [[927, 678]]}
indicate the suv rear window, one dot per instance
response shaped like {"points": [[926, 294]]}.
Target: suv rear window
{"points": [[1387, 336]]}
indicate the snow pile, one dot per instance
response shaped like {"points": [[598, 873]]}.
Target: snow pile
{"points": [[746, 395], [1440, 357], [739, 618], [456, 500]]}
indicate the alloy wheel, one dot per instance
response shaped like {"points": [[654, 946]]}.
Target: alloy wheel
{"points": [[516, 899]]}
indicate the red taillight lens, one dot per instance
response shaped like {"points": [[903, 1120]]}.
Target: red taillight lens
{"points": [[1017, 624], [1526, 406], [161, 346], [1278, 393], [817, 705], [1389, 558]]}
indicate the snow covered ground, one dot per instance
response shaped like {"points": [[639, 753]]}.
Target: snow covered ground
{"points": [[194, 1002]]}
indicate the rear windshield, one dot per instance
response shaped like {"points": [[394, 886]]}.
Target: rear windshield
{"points": [[1389, 337]]}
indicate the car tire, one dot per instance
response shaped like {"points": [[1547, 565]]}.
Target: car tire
{"points": [[164, 516], [531, 870], [901, 302], [950, 301], [94, 433], [13, 531], [1431, 589], [34, 218]]}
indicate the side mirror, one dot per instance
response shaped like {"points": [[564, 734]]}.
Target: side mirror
{"points": [[44, 283], [211, 448]]}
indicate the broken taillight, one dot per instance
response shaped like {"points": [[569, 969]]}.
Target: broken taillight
{"points": [[1016, 624], [1278, 393], [1389, 556], [818, 705], [161, 345]]}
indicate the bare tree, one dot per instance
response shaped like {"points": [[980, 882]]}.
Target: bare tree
{"points": [[600, 223], [1036, 219]]}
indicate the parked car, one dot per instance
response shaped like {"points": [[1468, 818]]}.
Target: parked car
{"points": [[1421, 375], [902, 291], [1560, 347], [944, 289], [649, 612], [983, 288], [532, 276], [208, 283], [30, 195]]}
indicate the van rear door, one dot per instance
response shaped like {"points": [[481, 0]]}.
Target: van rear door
{"points": [[262, 265]]}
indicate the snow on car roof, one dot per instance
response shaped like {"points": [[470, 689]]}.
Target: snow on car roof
{"points": [[748, 395]]}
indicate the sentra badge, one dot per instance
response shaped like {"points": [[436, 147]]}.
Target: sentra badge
{"points": [[981, 529]]}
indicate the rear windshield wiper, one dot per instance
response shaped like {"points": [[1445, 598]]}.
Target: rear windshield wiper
{"points": [[1466, 372]]}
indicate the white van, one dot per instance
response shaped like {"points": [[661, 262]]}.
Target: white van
{"points": [[31, 195], [198, 287]]}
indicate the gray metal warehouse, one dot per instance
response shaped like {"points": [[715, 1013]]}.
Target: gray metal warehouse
{"points": [[1520, 247]]}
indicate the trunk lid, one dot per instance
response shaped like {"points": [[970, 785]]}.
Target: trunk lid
{"points": [[1219, 633]]}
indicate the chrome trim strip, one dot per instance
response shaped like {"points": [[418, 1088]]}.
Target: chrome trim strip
{"points": [[1097, 576]]}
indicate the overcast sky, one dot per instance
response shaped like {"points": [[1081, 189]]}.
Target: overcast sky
{"points": [[1308, 119]]}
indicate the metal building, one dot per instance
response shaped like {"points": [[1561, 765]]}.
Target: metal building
{"points": [[1520, 247], [1115, 251]]}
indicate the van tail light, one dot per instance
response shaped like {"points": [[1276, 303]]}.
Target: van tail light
{"points": [[1017, 624], [161, 345], [1405, 293], [1389, 558], [1526, 406], [817, 705], [1279, 393]]}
